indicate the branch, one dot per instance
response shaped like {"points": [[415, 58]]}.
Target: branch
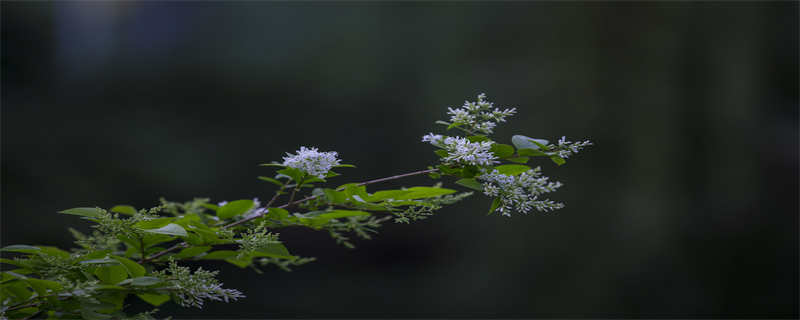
{"points": [[250, 218]]}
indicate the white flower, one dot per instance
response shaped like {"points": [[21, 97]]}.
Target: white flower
{"points": [[520, 192], [434, 139], [478, 117], [312, 161], [566, 148]]}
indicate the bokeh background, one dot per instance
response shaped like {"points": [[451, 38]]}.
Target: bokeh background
{"points": [[686, 207]]}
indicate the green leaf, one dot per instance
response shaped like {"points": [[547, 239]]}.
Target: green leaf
{"points": [[191, 252], [53, 251], [385, 194], [344, 166], [277, 214], [86, 212], [154, 299], [274, 250], [333, 196], [153, 223], [112, 274], [495, 204], [12, 262], [22, 248], [502, 151], [352, 189], [235, 208], [531, 153], [440, 152], [470, 183], [18, 290], [170, 229], [523, 142], [100, 261], [558, 160], [519, 159], [129, 210], [220, 255], [442, 122], [512, 169], [151, 239], [470, 171], [241, 263], [293, 173], [336, 214], [478, 138], [448, 170], [145, 281], [424, 192], [270, 180], [134, 269], [43, 287]]}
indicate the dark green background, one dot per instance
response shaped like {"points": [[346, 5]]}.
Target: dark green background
{"points": [[686, 207]]}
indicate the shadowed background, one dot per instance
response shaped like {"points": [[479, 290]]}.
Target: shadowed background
{"points": [[686, 207]]}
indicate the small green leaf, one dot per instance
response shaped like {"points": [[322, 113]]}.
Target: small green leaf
{"points": [[112, 274], [519, 159], [43, 287], [153, 299], [512, 169], [134, 269], [502, 151], [22, 248], [235, 208], [86, 212], [336, 214], [270, 180], [333, 196], [241, 263], [495, 204], [295, 174], [470, 183], [129, 210], [441, 153], [531, 153], [170, 229], [423, 192], [448, 170], [385, 194], [277, 214], [523, 142], [470, 172], [344, 166], [478, 138], [275, 250], [353, 189], [558, 160], [153, 223]]}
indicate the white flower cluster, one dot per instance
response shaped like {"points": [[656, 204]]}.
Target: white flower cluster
{"points": [[191, 289], [520, 192], [566, 148], [478, 116], [312, 161], [462, 151]]}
